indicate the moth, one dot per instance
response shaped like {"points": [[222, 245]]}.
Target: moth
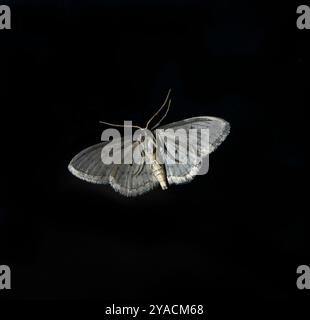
{"points": [[164, 158]]}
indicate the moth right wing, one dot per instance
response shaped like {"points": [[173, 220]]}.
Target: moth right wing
{"points": [[218, 130], [194, 150], [180, 158]]}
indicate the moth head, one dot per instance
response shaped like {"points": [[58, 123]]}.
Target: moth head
{"points": [[142, 135], [146, 138]]}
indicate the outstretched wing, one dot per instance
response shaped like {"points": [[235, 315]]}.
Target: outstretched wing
{"points": [[132, 179], [128, 179], [87, 165], [184, 172], [135, 178]]}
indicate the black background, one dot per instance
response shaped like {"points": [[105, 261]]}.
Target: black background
{"points": [[237, 233]]}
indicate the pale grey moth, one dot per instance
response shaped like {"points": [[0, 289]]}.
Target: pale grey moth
{"points": [[159, 150]]}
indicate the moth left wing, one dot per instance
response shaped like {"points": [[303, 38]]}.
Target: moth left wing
{"points": [[88, 165], [130, 179], [133, 179]]}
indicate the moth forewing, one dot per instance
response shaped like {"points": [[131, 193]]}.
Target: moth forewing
{"points": [[173, 146], [199, 149]]}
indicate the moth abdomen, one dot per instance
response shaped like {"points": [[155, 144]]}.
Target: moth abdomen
{"points": [[160, 174]]}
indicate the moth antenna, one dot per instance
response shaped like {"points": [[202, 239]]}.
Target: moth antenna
{"points": [[147, 124], [158, 123], [120, 125]]}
